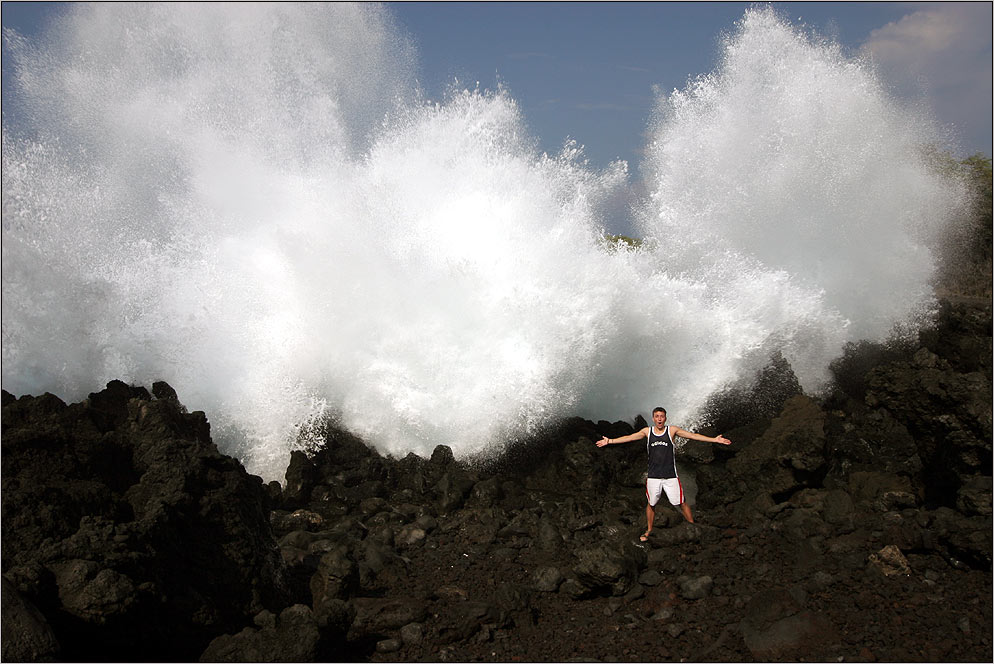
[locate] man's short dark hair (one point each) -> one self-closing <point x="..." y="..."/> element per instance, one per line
<point x="658" y="409"/>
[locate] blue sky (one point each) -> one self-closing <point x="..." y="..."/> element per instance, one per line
<point x="587" y="70"/>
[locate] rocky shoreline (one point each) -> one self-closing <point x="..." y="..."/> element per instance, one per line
<point x="854" y="527"/>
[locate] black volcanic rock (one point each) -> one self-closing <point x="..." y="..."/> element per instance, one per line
<point x="27" y="636"/>
<point x="947" y="412"/>
<point x="851" y="526"/>
<point x="127" y="529"/>
<point x="293" y="636"/>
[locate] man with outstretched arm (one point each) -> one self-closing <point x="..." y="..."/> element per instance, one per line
<point x="662" y="463"/>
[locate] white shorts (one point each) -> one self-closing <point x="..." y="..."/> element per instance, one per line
<point x="655" y="486"/>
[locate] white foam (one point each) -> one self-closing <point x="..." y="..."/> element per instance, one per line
<point x="259" y="208"/>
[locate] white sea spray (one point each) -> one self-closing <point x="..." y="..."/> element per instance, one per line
<point x="255" y="204"/>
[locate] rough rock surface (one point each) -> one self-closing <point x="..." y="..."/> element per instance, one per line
<point x="852" y="526"/>
<point x="127" y="529"/>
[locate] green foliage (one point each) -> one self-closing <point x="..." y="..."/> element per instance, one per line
<point x="622" y="242"/>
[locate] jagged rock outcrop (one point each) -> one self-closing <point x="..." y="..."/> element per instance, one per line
<point x="128" y="529"/>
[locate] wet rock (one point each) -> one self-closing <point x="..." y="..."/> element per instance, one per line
<point x="301" y="476"/>
<point x="409" y="474"/>
<point x="345" y="453"/>
<point x="442" y="456"/>
<point x="162" y="390"/>
<point x="579" y="455"/>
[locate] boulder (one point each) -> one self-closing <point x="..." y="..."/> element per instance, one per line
<point x="487" y="493"/>
<point x="609" y="567"/>
<point x="547" y="579"/>
<point x="301" y="476"/>
<point x="381" y="615"/>
<point x="695" y="587"/>
<point x="337" y="576"/>
<point x="974" y="496"/>
<point x="789" y="454"/>
<point x="452" y="489"/>
<point x="26" y="636"/>
<point x="412" y="634"/>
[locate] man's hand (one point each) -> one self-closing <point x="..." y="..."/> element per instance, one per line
<point x="722" y="440"/>
<point x="603" y="441"/>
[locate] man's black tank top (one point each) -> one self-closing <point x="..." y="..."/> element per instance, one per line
<point x="662" y="461"/>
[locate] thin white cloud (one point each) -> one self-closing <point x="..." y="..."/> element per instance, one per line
<point x="942" y="53"/>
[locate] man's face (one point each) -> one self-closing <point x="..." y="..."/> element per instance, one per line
<point x="659" y="419"/>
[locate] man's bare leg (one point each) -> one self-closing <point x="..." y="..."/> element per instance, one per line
<point x="685" y="508"/>
<point x="650" y="518"/>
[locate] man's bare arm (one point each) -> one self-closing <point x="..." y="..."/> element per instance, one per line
<point x="624" y="439"/>
<point x="721" y="440"/>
